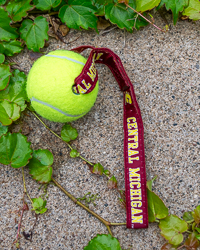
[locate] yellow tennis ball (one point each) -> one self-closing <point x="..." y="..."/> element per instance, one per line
<point x="49" y="87"/>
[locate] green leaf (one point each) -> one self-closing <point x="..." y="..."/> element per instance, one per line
<point x="187" y="216"/>
<point x="168" y="246"/>
<point x="106" y="172"/>
<point x="16" y="90"/>
<point x="9" y="111"/>
<point x="17" y="9"/>
<point x="39" y="205"/>
<point x="100" y="5"/>
<point x="6" y="31"/>
<point x="193" y="10"/>
<point x="172" y="228"/>
<point x="119" y="14"/>
<point x="124" y="17"/>
<point x="98" y="169"/>
<point x="2" y="58"/>
<point x="143" y="5"/>
<point x="192" y="242"/>
<point x="40" y="165"/>
<point x="103" y="242"/>
<point x="150" y="182"/>
<point x="68" y="133"/>
<point x="34" y="33"/>
<point x="78" y="13"/>
<point x="10" y="48"/>
<point x="59" y="6"/>
<point x="74" y="153"/>
<point x="198" y="236"/>
<point x="156" y="207"/>
<point x="198" y="229"/>
<point x="4" y="75"/>
<point x="3" y="129"/>
<point x="46" y="4"/>
<point x="2" y="2"/>
<point x="196" y="215"/>
<point x="15" y="150"/>
<point x="140" y="22"/>
<point x="175" y="5"/>
<point x="112" y="182"/>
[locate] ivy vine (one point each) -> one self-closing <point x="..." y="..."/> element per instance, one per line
<point x="30" y="23"/>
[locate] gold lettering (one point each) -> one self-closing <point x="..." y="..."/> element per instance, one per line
<point x="136" y="203"/>
<point x="135" y="183"/>
<point x="132" y="145"/>
<point x="136" y="198"/>
<point x="135" y="211"/>
<point x="132" y="125"/>
<point x="137" y="219"/>
<point x="132" y="152"/>
<point x="131" y="118"/>
<point x="81" y="90"/>
<point x="86" y="85"/>
<point x="99" y="55"/>
<point x="132" y="132"/>
<point x="130" y="160"/>
<point x="135" y="192"/>
<point x="132" y="172"/>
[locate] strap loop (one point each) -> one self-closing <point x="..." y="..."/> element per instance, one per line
<point x="134" y="155"/>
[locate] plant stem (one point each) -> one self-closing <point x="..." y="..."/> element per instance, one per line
<point x="144" y="17"/>
<point x="25" y="190"/>
<point x="117" y="224"/>
<point x="105" y="222"/>
<point x="59" y="136"/>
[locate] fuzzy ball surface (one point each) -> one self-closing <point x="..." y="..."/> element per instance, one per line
<point x="49" y="87"/>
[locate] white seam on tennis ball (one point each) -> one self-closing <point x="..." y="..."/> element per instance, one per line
<point x="59" y="110"/>
<point x="68" y="58"/>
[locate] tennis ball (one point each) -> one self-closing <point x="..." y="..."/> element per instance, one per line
<point x="49" y="87"/>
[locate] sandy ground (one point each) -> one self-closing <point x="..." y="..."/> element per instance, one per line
<point x="164" y="69"/>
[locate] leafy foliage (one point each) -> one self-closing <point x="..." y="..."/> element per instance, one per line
<point x="10" y="112"/>
<point x="193" y="10"/>
<point x="68" y="133"/>
<point x="3" y="130"/>
<point x="17" y="9"/>
<point x="34" y="33"/>
<point x="74" y="153"/>
<point x="6" y="31"/>
<point x="10" y="48"/>
<point x="15" y="150"/>
<point x="39" y="205"/>
<point x="2" y="58"/>
<point x="144" y="5"/>
<point x="187" y="216"/>
<point x="78" y="13"/>
<point x="40" y="165"/>
<point x="172" y="228"/>
<point x="168" y="246"/>
<point x="192" y="242"/>
<point x="156" y="207"/>
<point x="196" y="215"/>
<point x="16" y="90"/>
<point x="98" y="169"/>
<point x="103" y="242"/>
<point x="124" y="17"/>
<point x="176" y="6"/>
<point x="100" y="5"/>
<point x="112" y="182"/>
<point x="46" y="4"/>
<point x="4" y="75"/>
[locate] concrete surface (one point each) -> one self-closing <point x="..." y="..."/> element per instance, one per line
<point x="164" y="69"/>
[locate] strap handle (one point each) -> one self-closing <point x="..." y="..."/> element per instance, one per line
<point x="134" y="155"/>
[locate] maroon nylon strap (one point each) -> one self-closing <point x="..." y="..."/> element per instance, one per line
<point x="134" y="156"/>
